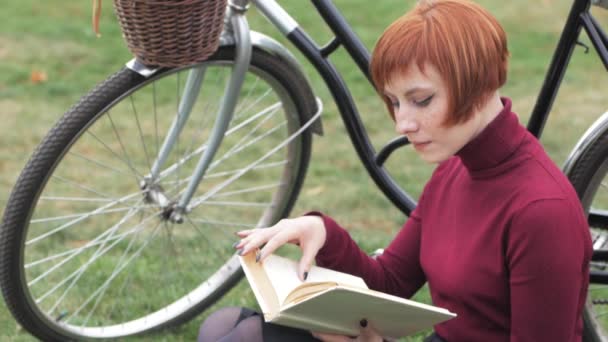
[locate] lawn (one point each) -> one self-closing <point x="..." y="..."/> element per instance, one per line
<point x="49" y="57"/>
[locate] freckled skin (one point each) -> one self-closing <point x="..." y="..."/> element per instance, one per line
<point x="420" y="102"/>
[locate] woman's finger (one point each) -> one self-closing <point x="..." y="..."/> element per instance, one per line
<point x="308" y="255"/>
<point x="279" y="239"/>
<point x="260" y="237"/>
<point x="331" y="337"/>
<point x="245" y="233"/>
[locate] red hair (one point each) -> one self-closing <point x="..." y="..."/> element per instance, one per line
<point x="463" y="41"/>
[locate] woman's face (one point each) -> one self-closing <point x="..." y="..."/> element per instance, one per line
<point x="420" y="105"/>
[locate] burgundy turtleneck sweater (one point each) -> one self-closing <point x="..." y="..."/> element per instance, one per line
<point x="498" y="234"/>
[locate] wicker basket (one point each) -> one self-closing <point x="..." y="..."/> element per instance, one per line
<point x="171" y="33"/>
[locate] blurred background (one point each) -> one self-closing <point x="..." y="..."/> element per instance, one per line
<point x="50" y="57"/>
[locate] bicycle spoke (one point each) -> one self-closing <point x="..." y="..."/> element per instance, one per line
<point x="229" y="181"/>
<point x="238" y="147"/>
<point x="75" y="276"/>
<point x="113" y="275"/>
<point x="198" y="230"/>
<point x="229" y="235"/>
<point x="256" y="101"/>
<point x="238" y="111"/>
<point x="80" y="250"/>
<point x="221" y="223"/>
<point x="169" y="170"/>
<point x="73" y="222"/>
<point x="89" y="214"/>
<point x="236" y="204"/>
<point x="98" y="163"/>
<point x="122" y="146"/>
<point x="197" y="136"/>
<point x="250" y="143"/>
<point x="141" y="134"/>
<point x="77" y="249"/>
<point x="80" y="186"/>
<point x="110" y="279"/>
<point x="136" y="174"/>
<point x="270" y="110"/>
<point x="257" y="167"/>
<point x="74" y="199"/>
<point x="248" y="190"/>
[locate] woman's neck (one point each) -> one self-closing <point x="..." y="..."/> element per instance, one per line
<point x="488" y="112"/>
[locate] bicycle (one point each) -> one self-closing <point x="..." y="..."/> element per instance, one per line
<point x="260" y="186"/>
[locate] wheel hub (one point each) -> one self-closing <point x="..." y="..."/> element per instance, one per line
<point x="155" y="194"/>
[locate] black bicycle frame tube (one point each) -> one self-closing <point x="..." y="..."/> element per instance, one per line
<point x="557" y="69"/>
<point x="345" y="35"/>
<point x="597" y="36"/>
<point x="344" y="101"/>
<point x="352" y="121"/>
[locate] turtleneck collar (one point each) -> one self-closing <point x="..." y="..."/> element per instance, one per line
<point x="496" y="142"/>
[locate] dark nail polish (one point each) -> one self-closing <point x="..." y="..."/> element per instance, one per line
<point x="257" y="257"/>
<point x="235" y="244"/>
<point x="363" y="323"/>
<point x="240" y="252"/>
<point x="305" y="275"/>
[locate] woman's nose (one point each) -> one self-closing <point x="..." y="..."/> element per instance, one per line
<point x="405" y="123"/>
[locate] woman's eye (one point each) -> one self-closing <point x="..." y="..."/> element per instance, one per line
<point x="425" y="102"/>
<point x="395" y="104"/>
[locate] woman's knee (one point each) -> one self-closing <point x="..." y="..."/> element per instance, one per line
<point x="219" y="324"/>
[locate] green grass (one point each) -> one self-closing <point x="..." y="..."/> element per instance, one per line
<point x="54" y="37"/>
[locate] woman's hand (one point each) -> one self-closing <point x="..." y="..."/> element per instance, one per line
<point x="308" y="232"/>
<point x="367" y="334"/>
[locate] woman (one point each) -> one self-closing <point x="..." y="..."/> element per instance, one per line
<point x="498" y="234"/>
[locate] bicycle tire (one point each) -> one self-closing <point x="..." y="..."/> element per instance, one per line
<point x="586" y="176"/>
<point x="80" y="127"/>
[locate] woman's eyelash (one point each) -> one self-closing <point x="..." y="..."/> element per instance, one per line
<point x="424" y="102"/>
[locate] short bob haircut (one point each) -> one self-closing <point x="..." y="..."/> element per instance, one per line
<point x="463" y="41"/>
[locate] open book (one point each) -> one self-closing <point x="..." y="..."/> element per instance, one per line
<point x="332" y="302"/>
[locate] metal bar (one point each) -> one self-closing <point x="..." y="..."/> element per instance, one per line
<point x="272" y="11"/>
<point x="189" y="97"/>
<point x="344" y="34"/>
<point x="600" y="255"/>
<point x="598" y="219"/>
<point x="243" y="57"/>
<point x="598" y="277"/>
<point x="557" y="69"/>
<point x="391" y="147"/>
<point x="591" y="28"/>
<point x="330" y="47"/>
<point x="352" y="122"/>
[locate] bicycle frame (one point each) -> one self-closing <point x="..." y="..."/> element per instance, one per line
<point x="578" y="18"/>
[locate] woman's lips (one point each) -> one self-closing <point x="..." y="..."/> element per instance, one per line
<point x="419" y="146"/>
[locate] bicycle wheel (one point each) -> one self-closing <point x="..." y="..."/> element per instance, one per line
<point x="88" y="252"/>
<point x="589" y="177"/>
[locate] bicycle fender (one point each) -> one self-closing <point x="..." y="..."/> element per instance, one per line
<point x="596" y="130"/>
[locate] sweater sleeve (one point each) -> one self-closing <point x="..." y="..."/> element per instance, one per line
<point x="397" y="271"/>
<point x="547" y="255"/>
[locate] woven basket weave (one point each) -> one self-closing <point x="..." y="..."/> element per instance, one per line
<point x="171" y="33"/>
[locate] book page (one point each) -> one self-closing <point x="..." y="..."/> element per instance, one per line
<point x="261" y="286"/>
<point x="283" y="275"/>
<point x="339" y="310"/>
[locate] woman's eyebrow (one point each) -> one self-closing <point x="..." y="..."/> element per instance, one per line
<point x="416" y="90"/>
